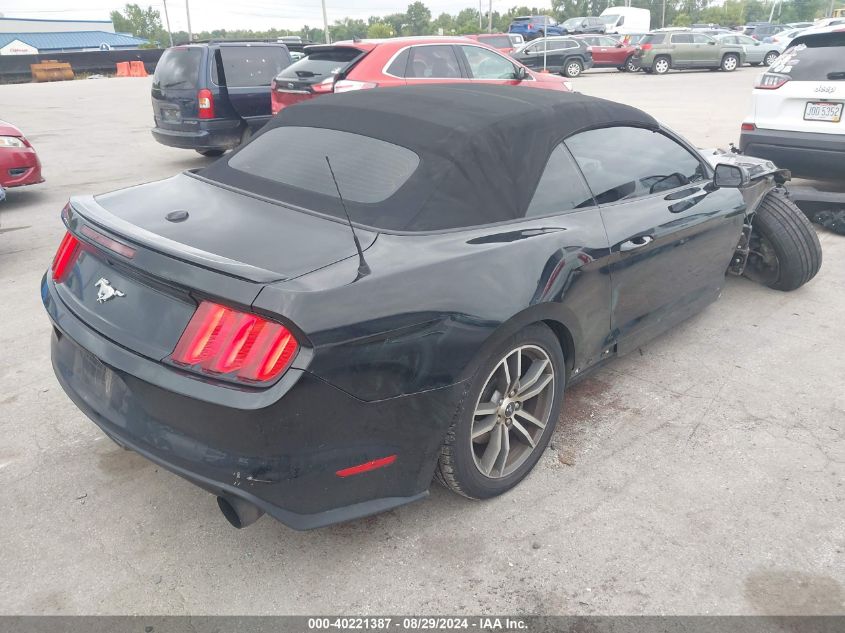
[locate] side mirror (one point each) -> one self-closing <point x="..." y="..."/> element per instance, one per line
<point x="520" y="74"/>
<point x="730" y="176"/>
<point x="712" y="43"/>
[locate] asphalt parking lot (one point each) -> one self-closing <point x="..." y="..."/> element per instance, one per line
<point x="702" y="474"/>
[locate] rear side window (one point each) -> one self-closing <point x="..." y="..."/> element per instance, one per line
<point x="561" y="187"/>
<point x="433" y="62"/>
<point x="245" y="66"/>
<point x="682" y="38"/>
<point x="319" y="65"/>
<point x="399" y="64"/>
<point x="701" y="39"/>
<point x="624" y="163"/>
<point x="178" y="68"/>
<point x="819" y="58"/>
<point x="653" y="38"/>
<point x="368" y="170"/>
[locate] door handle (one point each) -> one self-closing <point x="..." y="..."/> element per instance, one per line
<point x="635" y="243"/>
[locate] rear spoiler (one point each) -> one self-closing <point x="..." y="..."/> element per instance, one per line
<point x="92" y="212"/>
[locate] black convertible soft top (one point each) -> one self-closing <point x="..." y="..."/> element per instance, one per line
<point x="479" y="152"/>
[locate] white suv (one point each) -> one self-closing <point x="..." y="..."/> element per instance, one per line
<point x="797" y="119"/>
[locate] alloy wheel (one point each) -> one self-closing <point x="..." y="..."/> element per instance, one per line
<point x="661" y="66"/>
<point x="729" y="63"/>
<point x="771" y="58"/>
<point x="512" y="411"/>
<point x="573" y="69"/>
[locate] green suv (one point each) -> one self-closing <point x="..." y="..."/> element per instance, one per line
<point x="658" y="52"/>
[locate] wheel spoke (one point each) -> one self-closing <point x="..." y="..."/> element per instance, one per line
<point x="536" y="388"/>
<point x="491" y="453"/>
<point x="522" y="413"/>
<point x="483" y="427"/>
<point x="533" y="374"/>
<point x="486" y="408"/>
<point x="502" y="459"/>
<point x="523" y="433"/>
<point x="507" y="374"/>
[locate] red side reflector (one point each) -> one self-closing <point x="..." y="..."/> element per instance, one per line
<point x="366" y="466"/>
<point x="205" y="103"/>
<point x="233" y="344"/>
<point x="748" y="127"/>
<point x="107" y="242"/>
<point x="65" y="256"/>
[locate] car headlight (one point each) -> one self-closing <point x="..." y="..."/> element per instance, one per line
<point x="11" y="141"/>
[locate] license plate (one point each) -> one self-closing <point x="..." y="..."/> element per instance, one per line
<point x="823" y="111"/>
<point x="170" y="116"/>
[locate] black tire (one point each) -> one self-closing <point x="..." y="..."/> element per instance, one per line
<point x="785" y="250"/>
<point x="572" y="67"/>
<point x="456" y="467"/>
<point x="770" y="58"/>
<point x="661" y="65"/>
<point x="730" y="62"/>
<point x="211" y="153"/>
<point x="631" y="64"/>
<point x="754" y="63"/>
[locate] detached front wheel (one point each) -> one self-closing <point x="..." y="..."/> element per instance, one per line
<point x="508" y="416"/>
<point x="785" y="252"/>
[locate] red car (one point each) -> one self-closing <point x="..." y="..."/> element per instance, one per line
<point x="611" y="53"/>
<point x="345" y="66"/>
<point x="500" y="41"/>
<point x="19" y="164"/>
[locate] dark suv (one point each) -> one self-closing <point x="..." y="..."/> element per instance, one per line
<point x="212" y="97"/>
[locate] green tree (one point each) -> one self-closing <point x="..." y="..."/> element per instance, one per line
<point x="379" y="30"/>
<point x="418" y="18"/>
<point x="140" y="22"/>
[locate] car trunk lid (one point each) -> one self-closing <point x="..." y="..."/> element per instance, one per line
<point x="138" y="276"/>
<point x="174" y="89"/>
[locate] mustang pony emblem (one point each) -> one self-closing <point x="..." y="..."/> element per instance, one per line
<point x="106" y="291"/>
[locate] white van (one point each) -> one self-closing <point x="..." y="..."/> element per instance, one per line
<point x="624" y="20"/>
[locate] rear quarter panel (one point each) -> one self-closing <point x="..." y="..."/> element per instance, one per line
<point x="432" y="302"/>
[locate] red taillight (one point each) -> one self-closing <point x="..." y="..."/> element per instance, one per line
<point x="646" y="47"/>
<point x="748" y="127"/>
<point x="771" y="81"/>
<point x="65" y="256"/>
<point x="236" y="345"/>
<point x="205" y="103"/>
<point x="325" y="86"/>
<point x="366" y="466"/>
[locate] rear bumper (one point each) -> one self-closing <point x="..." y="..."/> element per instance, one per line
<point x="282" y="457"/>
<point x="220" y="134"/>
<point x="805" y="154"/>
<point x="19" y="166"/>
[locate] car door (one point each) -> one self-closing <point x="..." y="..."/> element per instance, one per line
<point x="682" y="49"/>
<point x="433" y="62"/>
<point x="487" y="65"/>
<point x="567" y="230"/>
<point x="706" y="51"/>
<point x="671" y="232"/>
<point x="244" y="74"/>
<point x="754" y="50"/>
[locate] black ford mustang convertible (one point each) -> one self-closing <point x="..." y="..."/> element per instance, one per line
<point x="388" y="286"/>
